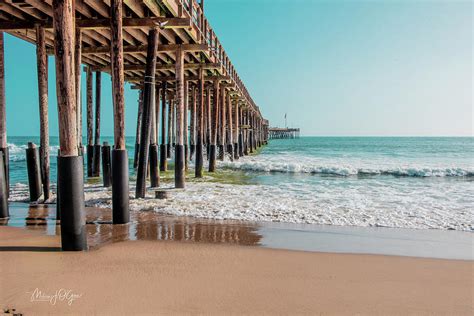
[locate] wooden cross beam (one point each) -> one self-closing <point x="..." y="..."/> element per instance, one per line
<point x="93" y="24"/>
<point x="143" y="48"/>
<point x="139" y="67"/>
<point x="173" y="78"/>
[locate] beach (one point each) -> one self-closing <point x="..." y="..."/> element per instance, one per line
<point x="144" y="277"/>
<point x="304" y="227"/>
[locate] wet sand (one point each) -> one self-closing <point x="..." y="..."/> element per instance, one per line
<point x="139" y="277"/>
<point x="151" y="225"/>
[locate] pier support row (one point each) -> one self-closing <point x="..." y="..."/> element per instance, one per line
<point x="216" y="121"/>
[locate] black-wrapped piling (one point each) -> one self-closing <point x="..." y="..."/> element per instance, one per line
<point x="120" y="191"/>
<point x="154" y="168"/>
<point x="6" y="168"/>
<point x="90" y="160"/>
<point x="212" y="158"/>
<point x="4" y="213"/>
<point x="106" y="165"/>
<point x="192" y="149"/>
<point x="135" y="156"/>
<point x="163" y="156"/>
<point x="34" y="172"/>
<point x="71" y="191"/>
<point x="179" y="174"/>
<point x="221" y="152"/>
<point x="96" y="163"/>
<point x="58" y="208"/>
<point x="236" y="151"/>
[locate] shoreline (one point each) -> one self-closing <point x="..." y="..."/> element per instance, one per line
<point x="178" y="277"/>
<point x="154" y="226"/>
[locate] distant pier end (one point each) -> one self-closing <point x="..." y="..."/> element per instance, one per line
<point x="280" y="133"/>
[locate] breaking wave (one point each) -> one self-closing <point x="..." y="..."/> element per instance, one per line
<point x="346" y="170"/>
<point x="17" y="152"/>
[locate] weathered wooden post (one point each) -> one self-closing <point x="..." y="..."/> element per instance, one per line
<point x="42" y="65"/>
<point x="186" y="125"/>
<point x="77" y="62"/>
<point x="173" y="123"/>
<point x="157" y="112"/>
<point x="90" y="124"/>
<point x="179" y="154"/>
<point x="250" y="131"/>
<point x="154" y="163"/>
<point x="199" y="125"/>
<point x="208" y="121"/>
<point x="237" y="131"/>
<point x="223" y="125"/>
<point x="3" y="122"/>
<point x="170" y="125"/>
<point x="4" y="170"/>
<point x="148" y="98"/>
<point x="139" y="124"/>
<point x="215" y="118"/>
<point x="242" y="133"/>
<point x="163" y="147"/>
<point x="96" y="162"/>
<point x="230" y="142"/>
<point x="246" y="131"/>
<point x="192" y="132"/>
<point x="120" y="190"/>
<point x="71" y="186"/>
<point x="154" y="160"/>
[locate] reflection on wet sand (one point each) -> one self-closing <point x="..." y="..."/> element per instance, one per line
<point x="144" y="225"/>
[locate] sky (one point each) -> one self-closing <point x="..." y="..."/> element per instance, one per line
<point x="337" y="68"/>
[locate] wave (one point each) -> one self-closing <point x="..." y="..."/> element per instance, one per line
<point x="348" y="170"/>
<point x="325" y="204"/>
<point x="18" y="152"/>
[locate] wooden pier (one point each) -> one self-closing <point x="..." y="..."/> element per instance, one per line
<point x="169" y="52"/>
<point x="283" y="133"/>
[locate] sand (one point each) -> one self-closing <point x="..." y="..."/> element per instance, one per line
<point x="159" y="277"/>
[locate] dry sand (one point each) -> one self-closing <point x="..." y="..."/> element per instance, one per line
<point x="152" y="277"/>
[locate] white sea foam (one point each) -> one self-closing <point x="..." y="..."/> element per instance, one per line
<point x="369" y="204"/>
<point x="436" y="194"/>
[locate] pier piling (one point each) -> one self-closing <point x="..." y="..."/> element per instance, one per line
<point x="90" y="124"/>
<point x="163" y="147"/>
<point x="120" y="189"/>
<point x="179" y="154"/>
<point x="34" y="172"/>
<point x="148" y="98"/>
<point x="96" y="162"/>
<point x="222" y="122"/>
<point x="192" y="130"/>
<point x="42" y="65"/>
<point x="199" y="159"/>
<point x="4" y="212"/>
<point x="106" y="165"/>
<point x="138" y="130"/>
<point x="198" y="84"/>
<point x="71" y="186"/>
<point x="3" y="118"/>
<point x="214" y="127"/>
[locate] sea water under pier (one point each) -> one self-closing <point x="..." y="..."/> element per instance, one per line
<point x="191" y="97"/>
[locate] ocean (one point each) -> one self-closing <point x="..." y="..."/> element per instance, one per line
<point x="406" y="182"/>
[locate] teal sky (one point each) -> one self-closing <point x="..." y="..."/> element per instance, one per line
<point x="336" y="67"/>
